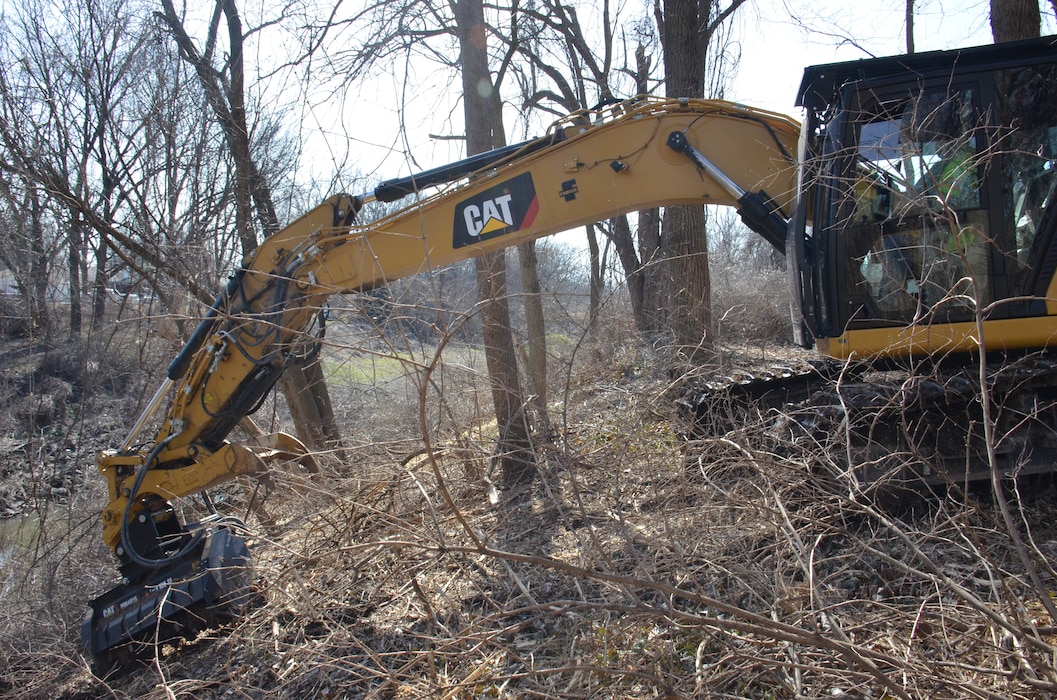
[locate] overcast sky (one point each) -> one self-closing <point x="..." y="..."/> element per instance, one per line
<point x="777" y="38"/>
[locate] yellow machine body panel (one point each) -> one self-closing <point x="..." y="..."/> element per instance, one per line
<point x="939" y="340"/>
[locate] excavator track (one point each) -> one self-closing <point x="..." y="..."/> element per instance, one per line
<point x="897" y="430"/>
<point x="723" y="403"/>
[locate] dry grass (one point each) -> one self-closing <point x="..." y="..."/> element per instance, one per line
<point x="637" y="566"/>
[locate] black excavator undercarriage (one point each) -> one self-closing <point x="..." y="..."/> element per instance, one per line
<point x="896" y="429"/>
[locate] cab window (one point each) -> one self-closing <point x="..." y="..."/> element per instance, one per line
<point x="916" y="232"/>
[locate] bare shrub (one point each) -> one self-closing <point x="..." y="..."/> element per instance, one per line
<point x="750" y="291"/>
<point x="14" y="318"/>
<point x="752" y="563"/>
<point x="752" y="305"/>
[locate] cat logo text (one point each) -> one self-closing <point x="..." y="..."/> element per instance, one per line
<point x="501" y="209"/>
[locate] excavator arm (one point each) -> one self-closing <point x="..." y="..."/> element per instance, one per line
<point x="590" y="166"/>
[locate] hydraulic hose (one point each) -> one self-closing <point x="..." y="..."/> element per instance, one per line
<point x="126" y="541"/>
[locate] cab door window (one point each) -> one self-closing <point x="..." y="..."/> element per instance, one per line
<point x="915" y="227"/>
<point x="1026" y="106"/>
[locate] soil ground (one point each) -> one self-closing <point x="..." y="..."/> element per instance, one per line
<point x="638" y="564"/>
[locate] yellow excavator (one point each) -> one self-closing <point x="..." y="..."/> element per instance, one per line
<point x="914" y="205"/>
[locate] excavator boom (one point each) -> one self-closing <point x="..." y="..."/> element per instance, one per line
<point x="916" y="206"/>
<point x="590" y="166"/>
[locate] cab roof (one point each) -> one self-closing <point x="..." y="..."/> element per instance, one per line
<point x="822" y="82"/>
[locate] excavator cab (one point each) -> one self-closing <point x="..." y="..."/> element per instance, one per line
<point x="927" y="199"/>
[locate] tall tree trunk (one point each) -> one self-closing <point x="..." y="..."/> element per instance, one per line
<point x="305" y="414"/>
<point x="650" y="317"/>
<point x="654" y="289"/>
<point x="532" y="298"/>
<point x="99" y="287"/>
<point x="689" y="307"/>
<point x="75" y="238"/>
<point x="102" y="281"/>
<point x="1015" y="19"/>
<point x="910" y="25"/>
<point x="685" y="32"/>
<point x="306" y="393"/>
<point x="535" y="330"/>
<point x="634" y="270"/>
<point x="595" y="285"/>
<point x="37" y="302"/>
<point x="514" y="448"/>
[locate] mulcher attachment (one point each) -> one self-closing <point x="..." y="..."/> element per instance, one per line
<point x="179" y="599"/>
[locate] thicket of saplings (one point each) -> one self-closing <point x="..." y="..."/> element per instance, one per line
<point x="642" y="562"/>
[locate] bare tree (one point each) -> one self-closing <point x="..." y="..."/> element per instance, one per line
<point x="25" y="248"/>
<point x="109" y="130"/>
<point x="567" y="69"/>
<point x="304" y="386"/>
<point x="64" y="93"/>
<point x="484" y="132"/>
<point x="687" y="27"/>
<point x="455" y="36"/>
